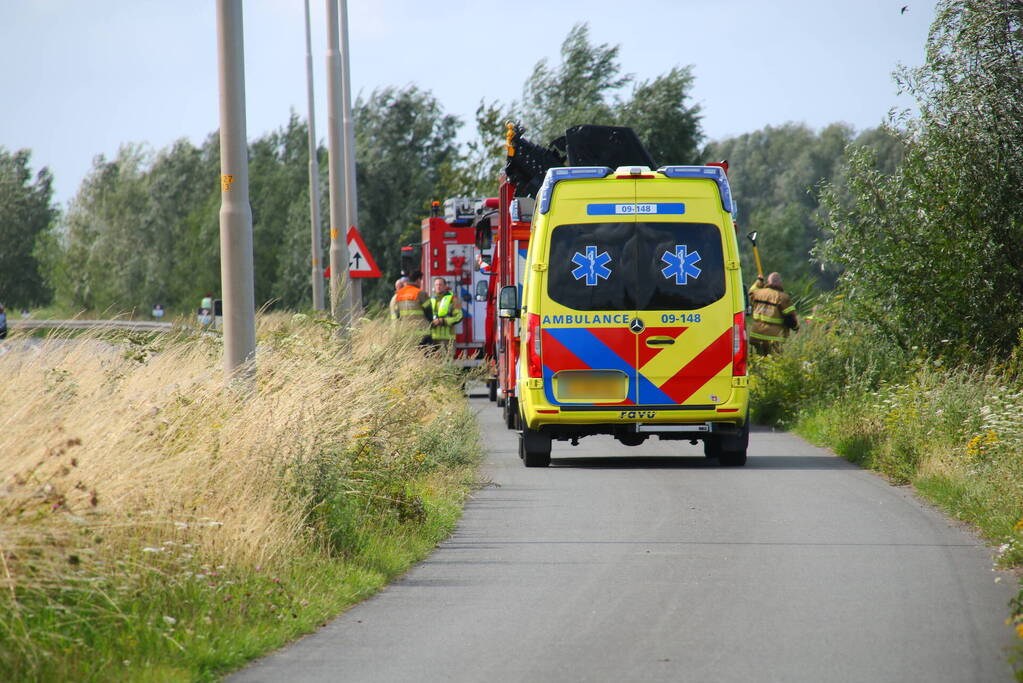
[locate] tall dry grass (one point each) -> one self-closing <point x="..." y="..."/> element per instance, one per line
<point x="132" y="449"/>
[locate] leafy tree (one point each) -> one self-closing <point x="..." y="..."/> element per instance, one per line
<point x="775" y="175"/>
<point x="404" y="140"/>
<point x="101" y="242"/>
<point x="588" y="87"/>
<point x="26" y="213"/>
<point x="196" y="224"/>
<point x="773" y="172"/>
<point x="579" y="90"/>
<point x="475" y="173"/>
<point x="933" y="253"/>
<point x="125" y="242"/>
<point x="658" y="113"/>
<point x="278" y="194"/>
<point x="180" y="179"/>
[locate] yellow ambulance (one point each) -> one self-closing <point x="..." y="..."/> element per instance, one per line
<point x="632" y="312"/>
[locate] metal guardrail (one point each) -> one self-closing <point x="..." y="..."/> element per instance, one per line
<point x="131" y="325"/>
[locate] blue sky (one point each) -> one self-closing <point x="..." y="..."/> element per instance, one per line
<point x="79" y="78"/>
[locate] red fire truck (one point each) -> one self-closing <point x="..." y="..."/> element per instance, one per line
<point x="504" y="243"/>
<point x="448" y="250"/>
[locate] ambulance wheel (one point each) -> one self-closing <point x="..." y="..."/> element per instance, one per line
<point x="733" y="448"/>
<point x="534" y="448"/>
<point x="511" y="413"/>
<point x="492" y="389"/>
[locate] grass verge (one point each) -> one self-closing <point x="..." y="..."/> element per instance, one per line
<point x="157" y="524"/>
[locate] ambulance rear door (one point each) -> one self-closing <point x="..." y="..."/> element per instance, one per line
<point x="684" y="344"/>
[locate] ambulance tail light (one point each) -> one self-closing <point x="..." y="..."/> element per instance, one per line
<point x="534" y="366"/>
<point x="740" y="345"/>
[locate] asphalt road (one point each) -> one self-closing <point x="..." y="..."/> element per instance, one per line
<point x="653" y="564"/>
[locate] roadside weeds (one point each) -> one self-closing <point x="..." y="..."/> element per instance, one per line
<point x="155" y="525"/>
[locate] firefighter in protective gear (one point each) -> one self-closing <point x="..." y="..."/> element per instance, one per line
<point x="773" y="314"/>
<point x="412" y="305"/>
<point x="447" y="312"/>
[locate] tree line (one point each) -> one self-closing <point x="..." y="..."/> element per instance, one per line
<point x="143" y="226"/>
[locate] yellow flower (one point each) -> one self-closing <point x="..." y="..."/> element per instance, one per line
<point x="1019" y="629"/>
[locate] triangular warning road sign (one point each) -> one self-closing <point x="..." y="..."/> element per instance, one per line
<point x="360" y="261"/>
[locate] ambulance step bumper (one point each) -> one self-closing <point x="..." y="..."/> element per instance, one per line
<point x="705" y="427"/>
<point x="672" y="428"/>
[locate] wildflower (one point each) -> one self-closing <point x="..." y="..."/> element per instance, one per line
<point x="152" y="550"/>
<point x="170" y="620"/>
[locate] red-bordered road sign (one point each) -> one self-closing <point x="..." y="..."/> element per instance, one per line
<point x="360" y="261"/>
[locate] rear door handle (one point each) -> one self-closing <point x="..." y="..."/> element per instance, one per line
<point x="659" y="341"/>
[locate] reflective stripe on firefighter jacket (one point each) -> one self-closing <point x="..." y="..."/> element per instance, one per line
<point x="450" y="314"/>
<point x="771" y="307"/>
<point x="411" y="306"/>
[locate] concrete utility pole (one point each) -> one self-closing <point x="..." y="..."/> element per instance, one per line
<point x="351" y="196"/>
<point x="340" y="289"/>
<point x="235" y="213"/>
<point x="314" y="175"/>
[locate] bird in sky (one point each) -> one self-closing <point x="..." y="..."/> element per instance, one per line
<point x="904" y="8"/>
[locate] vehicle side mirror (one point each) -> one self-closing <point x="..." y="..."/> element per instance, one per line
<point x="484" y="235"/>
<point x="482" y="289"/>
<point x="508" y="302"/>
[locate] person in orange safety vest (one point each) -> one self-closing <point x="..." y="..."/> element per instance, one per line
<point x="773" y="314"/>
<point x="412" y="306"/>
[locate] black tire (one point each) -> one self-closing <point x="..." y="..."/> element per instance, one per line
<point x="712" y="447"/>
<point x="492" y="389"/>
<point x="534" y="448"/>
<point x="511" y="412"/>
<point x="733" y="448"/>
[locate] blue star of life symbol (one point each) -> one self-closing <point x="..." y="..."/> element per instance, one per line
<point x="681" y="264"/>
<point x="591" y="266"/>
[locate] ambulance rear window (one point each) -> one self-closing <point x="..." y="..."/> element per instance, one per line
<point x="681" y="266"/>
<point x="636" y="266"/>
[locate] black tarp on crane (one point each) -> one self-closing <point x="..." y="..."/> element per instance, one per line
<point x="585" y="145"/>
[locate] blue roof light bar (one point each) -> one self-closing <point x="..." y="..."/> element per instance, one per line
<point x="715" y="173"/>
<point x="556" y="175"/>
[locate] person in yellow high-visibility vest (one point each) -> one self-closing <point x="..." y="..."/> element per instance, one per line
<point x="447" y="312"/>
<point x="773" y="314"/>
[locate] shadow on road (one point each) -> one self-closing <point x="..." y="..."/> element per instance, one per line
<point x="636" y="462"/>
<point x="758" y="462"/>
